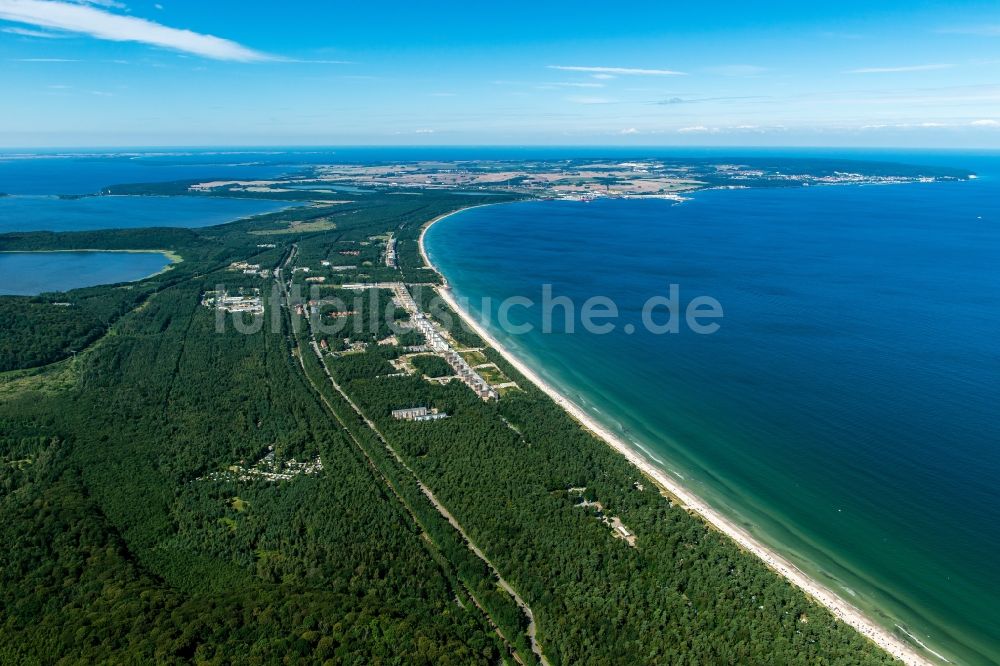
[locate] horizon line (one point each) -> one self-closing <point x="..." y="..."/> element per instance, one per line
<point x="245" y="147"/>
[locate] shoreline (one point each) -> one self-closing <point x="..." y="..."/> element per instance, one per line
<point x="840" y="608"/>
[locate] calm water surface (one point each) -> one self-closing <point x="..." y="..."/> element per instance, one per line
<point x="32" y="273"/>
<point x="848" y="410"/>
<point x="49" y="213"/>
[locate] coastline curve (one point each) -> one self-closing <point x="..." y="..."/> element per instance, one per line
<point x="840" y="608"/>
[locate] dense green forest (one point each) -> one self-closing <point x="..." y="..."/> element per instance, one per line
<point x="160" y="500"/>
<point x="432" y="366"/>
<point x="44" y="329"/>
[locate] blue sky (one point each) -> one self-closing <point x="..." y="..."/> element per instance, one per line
<point x="173" y="72"/>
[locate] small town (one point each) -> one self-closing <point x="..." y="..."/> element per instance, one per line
<point x="436" y="341"/>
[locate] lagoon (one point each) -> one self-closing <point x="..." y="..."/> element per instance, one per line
<point x="32" y="273"/>
<point x="50" y="213"/>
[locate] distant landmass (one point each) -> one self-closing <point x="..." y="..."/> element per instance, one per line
<point x="569" y="179"/>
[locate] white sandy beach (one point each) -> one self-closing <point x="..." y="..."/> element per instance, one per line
<point x="823" y="595"/>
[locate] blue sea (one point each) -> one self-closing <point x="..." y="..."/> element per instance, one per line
<point x="847" y="411"/>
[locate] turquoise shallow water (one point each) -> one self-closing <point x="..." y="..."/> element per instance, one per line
<point x="847" y="410"/>
<point x="31" y="273"/>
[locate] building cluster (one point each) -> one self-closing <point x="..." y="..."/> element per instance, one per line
<point x="314" y="307"/>
<point x="436" y="342"/>
<point x="249" y="269"/>
<point x="426" y="327"/>
<point x="268" y="468"/>
<point x="394" y="286"/>
<point x="619" y="531"/>
<point x="418" y="414"/>
<point x="222" y="300"/>
<point x="471" y="378"/>
<point x="390" y="252"/>
<point x="618" y="528"/>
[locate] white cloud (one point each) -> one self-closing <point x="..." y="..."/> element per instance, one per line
<point x="630" y="130"/>
<point x="424" y="131"/>
<point x="733" y="129"/>
<point x="915" y="125"/>
<point x="892" y="70"/>
<point x="986" y="122"/>
<point x="101" y="24"/>
<point x="673" y="101"/>
<point x="25" y="32"/>
<point x="618" y="70"/>
<point x="111" y="4"/>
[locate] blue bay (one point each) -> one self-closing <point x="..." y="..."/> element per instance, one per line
<point x="845" y="412"/>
